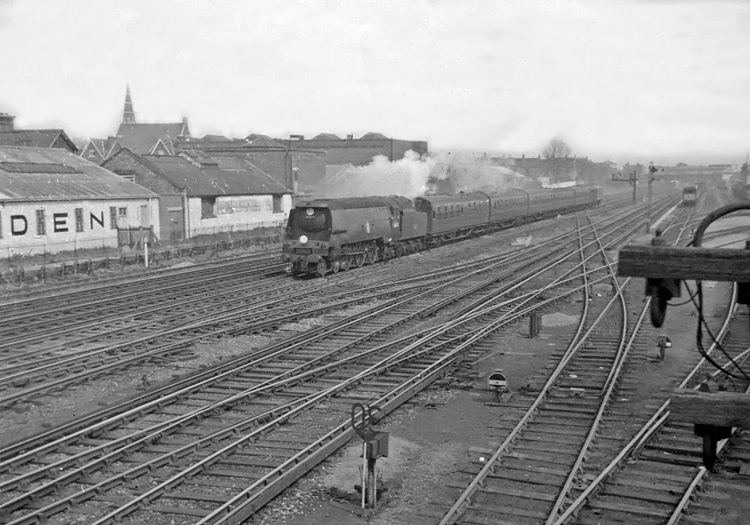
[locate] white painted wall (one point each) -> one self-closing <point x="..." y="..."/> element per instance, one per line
<point x="238" y="213"/>
<point x="18" y="225"/>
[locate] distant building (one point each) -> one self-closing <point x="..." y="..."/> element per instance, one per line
<point x="34" y="138"/>
<point x="99" y="150"/>
<point x="358" y="152"/>
<point x="298" y="168"/>
<point x="559" y="169"/>
<point x="53" y="201"/>
<point x="692" y="174"/>
<point x="201" y="195"/>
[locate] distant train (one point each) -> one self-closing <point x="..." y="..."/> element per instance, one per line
<point x="689" y="195"/>
<point x="330" y="235"/>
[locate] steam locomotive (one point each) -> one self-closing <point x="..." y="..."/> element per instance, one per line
<point x="331" y="235"/>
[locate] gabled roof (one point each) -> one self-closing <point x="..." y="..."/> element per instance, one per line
<point x="47" y="174"/>
<point x="105" y="148"/>
<point x="36" y="138"/>
<point x="326" y="136"/>
<point x="245" y="179"/>
<point x="142" y="138"/>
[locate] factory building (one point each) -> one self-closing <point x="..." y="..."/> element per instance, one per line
<point x="51" y="201"/>
<point x="202" y="195"/>
<point x="359" y="151"/>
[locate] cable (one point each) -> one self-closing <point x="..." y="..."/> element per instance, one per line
<point x="699" y="338"/>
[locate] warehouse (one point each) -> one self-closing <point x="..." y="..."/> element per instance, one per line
<point x="54" y="201"/>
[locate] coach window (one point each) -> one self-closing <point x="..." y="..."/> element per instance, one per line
<point x="41" y="229"/>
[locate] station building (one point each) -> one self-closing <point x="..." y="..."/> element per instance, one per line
<point x="51" y="201"/>
<point x="202" y="195"/>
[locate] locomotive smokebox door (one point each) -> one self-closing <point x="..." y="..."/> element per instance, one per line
<point x="498" y="381"/>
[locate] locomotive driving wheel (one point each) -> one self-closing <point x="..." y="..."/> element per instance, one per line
<point x="335" y="266"/>
<point x="321" y="268"/>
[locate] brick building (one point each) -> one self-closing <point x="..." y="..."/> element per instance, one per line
<point x="298" y="168"/>
<point x="358" y="152"/>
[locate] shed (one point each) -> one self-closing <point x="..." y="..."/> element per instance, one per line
<point x="53" y="201"/>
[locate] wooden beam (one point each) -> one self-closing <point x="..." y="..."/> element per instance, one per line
<point x="664" y="262"/>
<point x="722" y="409"/>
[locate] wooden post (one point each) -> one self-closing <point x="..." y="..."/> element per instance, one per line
<point x="721" y="409"/>
<point x="663" y="262"/>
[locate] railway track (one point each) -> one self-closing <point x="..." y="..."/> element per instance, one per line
<point x="536" y="472"/>
<point x="165" y="457"/>
<point x="421" y="374"/>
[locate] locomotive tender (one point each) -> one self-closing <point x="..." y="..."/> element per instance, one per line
<point x="329" y="235"/>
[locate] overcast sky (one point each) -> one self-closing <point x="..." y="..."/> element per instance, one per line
<point x="638" y="81"/>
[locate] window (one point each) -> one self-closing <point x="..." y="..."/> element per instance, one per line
<point x="40" y="226"/>
<point x="123" y="212"/>
<point x="1" y="226"/>
<point x="112" y="218"/>
<point x="79" y="220"/>
<point x="208" y="207"/>
<point x="277" y="204"/>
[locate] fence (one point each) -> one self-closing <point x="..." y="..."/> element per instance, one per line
<point x="19" y="270"/>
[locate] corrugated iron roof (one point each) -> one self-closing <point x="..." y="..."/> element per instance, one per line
<point x="55" y="174"/>
<point x="229" y="179"/>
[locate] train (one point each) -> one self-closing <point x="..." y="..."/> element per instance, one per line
<point x="332" y="235"/>
<point x="689" y="196"/>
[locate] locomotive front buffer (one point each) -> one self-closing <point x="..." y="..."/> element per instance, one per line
<point x="712" y="410"/>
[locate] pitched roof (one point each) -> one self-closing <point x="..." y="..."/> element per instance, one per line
<point x="373" y="136"/>
<point x="326" y="136"/>
<point x="229" y="179"/>
<point x="142" y="138"/>
<point x="56" y="174"/>
<point x="262" y="141"/>
<point x="35" y="138"/>
<point x="104" y="147"/>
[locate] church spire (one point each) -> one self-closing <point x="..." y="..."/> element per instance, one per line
<point x="128" y="115"/>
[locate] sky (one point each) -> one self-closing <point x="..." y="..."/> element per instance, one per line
<point x="627" y="81"/>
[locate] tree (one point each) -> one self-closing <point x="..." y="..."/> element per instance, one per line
<point x="555" y="153"/>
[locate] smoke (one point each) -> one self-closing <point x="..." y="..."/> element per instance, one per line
<point x="413" y="176"/>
